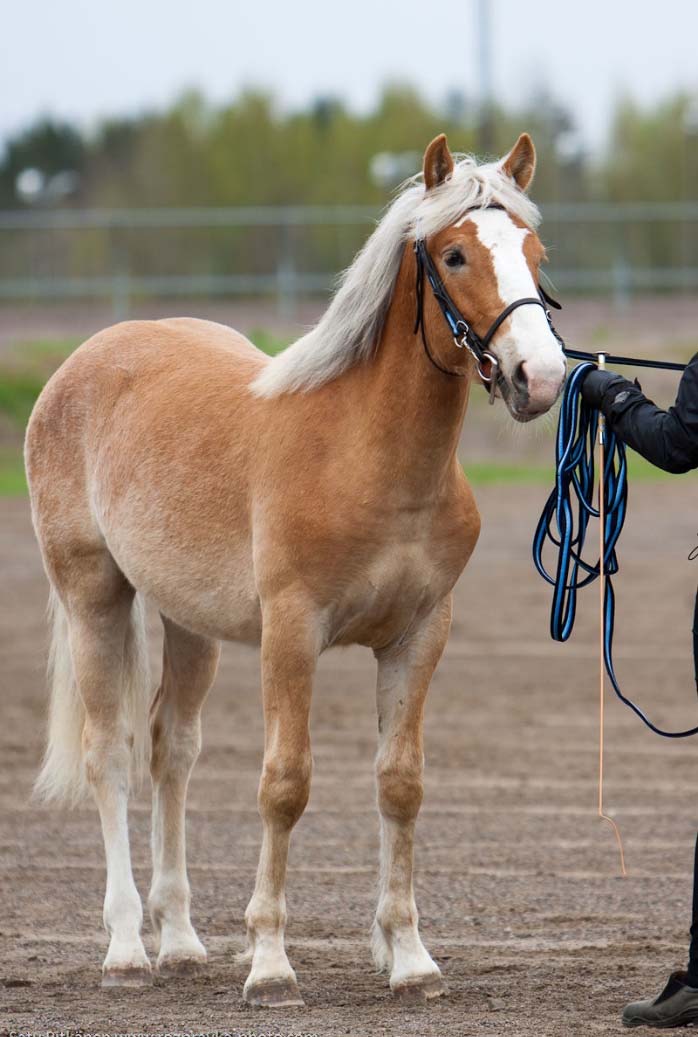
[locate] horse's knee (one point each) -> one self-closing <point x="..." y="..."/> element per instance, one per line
<point x="284" y="787"/>
<point x="400" y="788"/>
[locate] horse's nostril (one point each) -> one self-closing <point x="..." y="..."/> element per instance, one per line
<point x="520" y="378"/>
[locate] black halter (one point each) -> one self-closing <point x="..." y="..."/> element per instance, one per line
<point x="463" y="334"/>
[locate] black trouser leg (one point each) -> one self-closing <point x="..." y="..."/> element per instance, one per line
<point x="693" y="952"/>
<point x="695" y="641"/>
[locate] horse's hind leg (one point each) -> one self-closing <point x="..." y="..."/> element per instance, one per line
<point x="189" y="667"/>
<point x="107" y="646"/>
<point x="404" y="673"/>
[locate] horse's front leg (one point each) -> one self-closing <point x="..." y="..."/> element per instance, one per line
<point x="404" y="673"/>
<point x="289" y="656"/>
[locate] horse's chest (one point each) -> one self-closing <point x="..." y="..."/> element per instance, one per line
<point x="402" y="572"/>
<point x="384" y="599"/>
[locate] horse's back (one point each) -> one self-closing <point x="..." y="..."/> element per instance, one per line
<point x="208" y="334"/>
<point x="138" y="347"/>
<point x="120" y="355"/>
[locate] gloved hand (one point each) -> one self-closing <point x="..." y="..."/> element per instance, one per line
<point x="596" y="385"/>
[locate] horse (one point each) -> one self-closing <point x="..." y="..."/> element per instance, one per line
<point x="298" y="502"/>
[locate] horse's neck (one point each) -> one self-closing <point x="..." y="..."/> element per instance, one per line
<point x="413" y="411"/>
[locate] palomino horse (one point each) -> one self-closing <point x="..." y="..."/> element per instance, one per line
<point x="309" y="500"/>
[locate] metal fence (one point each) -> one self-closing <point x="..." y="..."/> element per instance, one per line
<point x="293" y="252"/>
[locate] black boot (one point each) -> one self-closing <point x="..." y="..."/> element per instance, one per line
<point x="677" y="1005"/>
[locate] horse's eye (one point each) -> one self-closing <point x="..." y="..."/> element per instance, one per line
<point x="454" y="258"/>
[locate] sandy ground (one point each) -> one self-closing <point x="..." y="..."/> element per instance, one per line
<point x="517" y="881"/>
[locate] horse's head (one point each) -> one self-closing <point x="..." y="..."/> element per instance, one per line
<point x="487" y="260"/>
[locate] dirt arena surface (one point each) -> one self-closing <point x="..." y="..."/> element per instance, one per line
<point x="517" y="881"/>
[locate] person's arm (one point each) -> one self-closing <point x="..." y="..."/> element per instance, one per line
<point x="667" y="438"/>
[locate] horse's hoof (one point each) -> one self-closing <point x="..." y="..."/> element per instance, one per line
<point x="128" y="976"/>
<point x="418" y="991"/>
<point x="274" y="993"/>
<point x="171" y="967"/>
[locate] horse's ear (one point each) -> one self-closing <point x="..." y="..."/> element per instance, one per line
<point x="438" y="162"/>
<point x="520" y="163"/>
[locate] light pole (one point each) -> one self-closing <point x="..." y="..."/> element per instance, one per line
<point x="486" y="143"/>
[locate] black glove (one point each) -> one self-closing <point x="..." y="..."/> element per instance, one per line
<point x="596" y="385"/>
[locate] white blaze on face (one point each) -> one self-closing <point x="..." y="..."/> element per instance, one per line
<point x="525" y="336"/>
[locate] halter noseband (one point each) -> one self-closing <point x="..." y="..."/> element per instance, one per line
<point x="463" y="334"/>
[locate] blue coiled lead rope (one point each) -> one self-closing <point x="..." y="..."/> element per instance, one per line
<point x="566" y="516"/>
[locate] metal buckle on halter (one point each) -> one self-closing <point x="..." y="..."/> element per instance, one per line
<point x="460" y="335"/>
<point x="490" y="381"/>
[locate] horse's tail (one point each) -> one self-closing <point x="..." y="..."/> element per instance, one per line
<point x="62" y="777"/>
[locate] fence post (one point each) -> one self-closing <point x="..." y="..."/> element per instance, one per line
<point x="286" y="276"/>
<point x="120" y="287"/>
<point x="622" y="285"/>
<point x="120" y="296"/>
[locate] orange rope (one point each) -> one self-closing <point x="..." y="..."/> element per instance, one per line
<point x="602" y="594"/>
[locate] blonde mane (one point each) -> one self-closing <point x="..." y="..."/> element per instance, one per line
<point x="350" y="329"/>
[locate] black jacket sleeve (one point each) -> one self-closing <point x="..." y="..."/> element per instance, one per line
<point x="667" y="438"/>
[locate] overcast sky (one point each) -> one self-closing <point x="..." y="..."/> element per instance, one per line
<point x="85" y="58"/>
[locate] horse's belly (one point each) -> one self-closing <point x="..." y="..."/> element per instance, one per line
<point x="206" y="588"/>
<point x="229" y="613"/>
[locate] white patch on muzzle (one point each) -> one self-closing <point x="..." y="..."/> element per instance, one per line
<point x="525" y="336"/>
